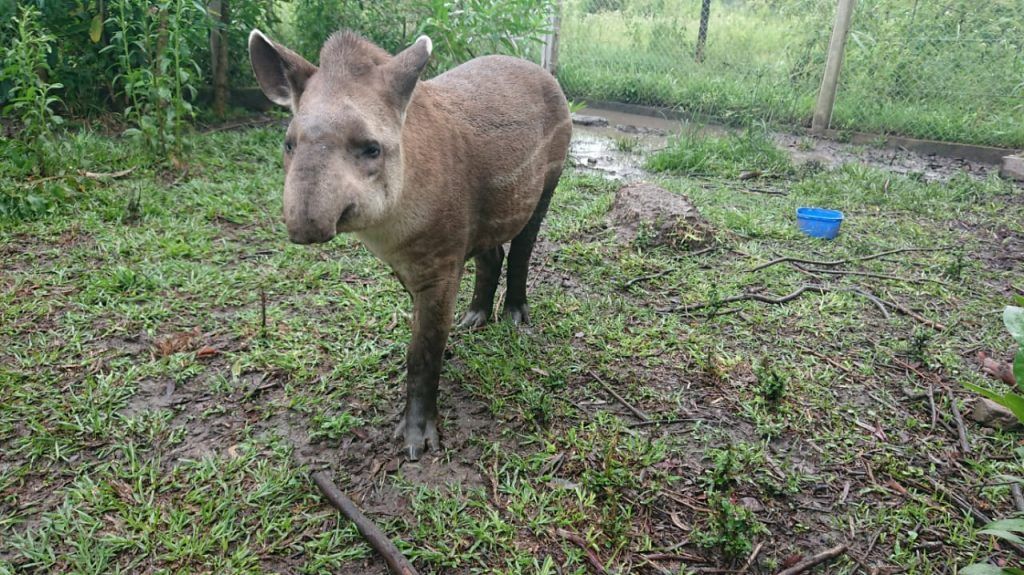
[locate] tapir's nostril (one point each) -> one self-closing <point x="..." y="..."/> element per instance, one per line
<point x="347" y="213"/>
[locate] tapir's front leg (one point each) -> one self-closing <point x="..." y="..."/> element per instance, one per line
<point x="433" y="307"/>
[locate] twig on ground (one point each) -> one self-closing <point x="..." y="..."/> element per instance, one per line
<point x="1018" y="497"/>
<point x="931" y="404"/>
<point x="873" y="275"/>
<point x="911" y="313"/>
<point x="815" y="559"/>
<point x="846" y="261"/>
<point x="823" y="357"/>
<point x="639" y="414"/>
<point x="814" y="288"/>
<point x="374" y="536"/>
<point x="751" y="559"/>
<point x="764" y="191"/>
<point x="639" y="279"/>
<point x="111" y="175"/>
<point x="579" y="542"/>
<point x="651" y="422"/>
<point x="875" y="300"/>
<point x="961" y="429"/>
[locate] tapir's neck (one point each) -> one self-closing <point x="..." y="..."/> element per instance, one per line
<point x="422" y="170"/>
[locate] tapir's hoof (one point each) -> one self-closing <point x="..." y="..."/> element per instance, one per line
<point x="418" y="438"/>
<point x="474" y="319"/>
<point x="517" y="314"/>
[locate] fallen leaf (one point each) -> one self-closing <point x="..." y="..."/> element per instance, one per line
<point x="207" y="351"/>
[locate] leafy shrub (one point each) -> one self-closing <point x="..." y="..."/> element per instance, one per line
<point x="157" y="74"/>
<point x="1013" y="318"/>
<point x="459" y="29"/>
<point x="31" y="97"/>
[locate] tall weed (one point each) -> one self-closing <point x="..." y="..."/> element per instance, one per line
<point x="31" y="97"/>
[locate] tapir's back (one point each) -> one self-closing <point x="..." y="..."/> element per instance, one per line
<point x="509" y="133"/>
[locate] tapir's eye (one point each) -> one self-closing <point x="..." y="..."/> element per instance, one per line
<point x="289" y="145"/>
<point x="371" y="150"/>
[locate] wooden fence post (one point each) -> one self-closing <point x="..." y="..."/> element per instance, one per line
<point x="549" y="55"/>
<point x="833" y="64"/>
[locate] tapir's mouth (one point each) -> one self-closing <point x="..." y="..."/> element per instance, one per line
<point x="345" y="220"/>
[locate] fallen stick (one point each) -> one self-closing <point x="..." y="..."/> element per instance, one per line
<point x="751" y="559"/>
<point x="639" y="414"/>
<point x="966" y="508"/>
<point x="911" y="313"/>
<point x="961" y="429"/>
<point x="846" y="261"/>
<point x="374" y="536"/>
<point x="111" y="175"/>
<point x="814" y="288"/>
<point x="874" y="275"/>
<point x="1018" y="497"/>
<point x="579" y="542"/>
<point x="815" y="559"/>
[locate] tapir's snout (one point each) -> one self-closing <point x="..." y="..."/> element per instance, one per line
<point x="310" y="234"/>
<point x="311" y="230"/>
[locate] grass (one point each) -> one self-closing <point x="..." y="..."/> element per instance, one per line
<point x="171" y="371"/>
<point x="941" y="73"/>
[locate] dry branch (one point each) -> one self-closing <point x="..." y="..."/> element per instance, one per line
<point x="639" y="414"/>
<point x="814" y="288"/>
<point x="1018" y="497"/>
<point x="961" y="429"/>
<point x="846" y="261"/>
<point x="376" y="538"/>
<point x="874" y="275"/>
<point x="815" y="559"/>
<point x="579" y="542"/>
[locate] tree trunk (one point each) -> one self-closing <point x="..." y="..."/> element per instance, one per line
<point x="702" y="33"/>
<point x="219" y="11"/>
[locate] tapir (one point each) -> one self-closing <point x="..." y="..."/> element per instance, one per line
<point x="426" y="174"/>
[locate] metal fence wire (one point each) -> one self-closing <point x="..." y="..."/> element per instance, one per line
<point x="951" y="71"/>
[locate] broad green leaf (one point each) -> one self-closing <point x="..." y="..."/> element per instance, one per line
<point x="1013" y="318"/>
<point x="1006" y="535"/>
<point x="1014" y="403"/>
<point x="1007" y="525"/>
<point x="96" y="29"/>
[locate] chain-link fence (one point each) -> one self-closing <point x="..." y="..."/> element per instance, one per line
<point x="952" y="71"/>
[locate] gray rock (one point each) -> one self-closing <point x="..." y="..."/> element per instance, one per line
<point x="657" y="217"/>
<point x="991" y="414"/>
<point x="752" y="504"/>
<point x="593" y="121"/>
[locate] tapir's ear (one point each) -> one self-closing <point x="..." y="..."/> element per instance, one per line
<point x="281" y="73"/>
<point x="405" y="68"/>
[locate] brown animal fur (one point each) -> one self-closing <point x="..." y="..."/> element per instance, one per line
<point x="425" y="174"/>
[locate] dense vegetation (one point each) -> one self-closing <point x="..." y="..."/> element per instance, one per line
<point x="948" y="71"/>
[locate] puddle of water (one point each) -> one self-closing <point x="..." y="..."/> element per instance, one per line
<point x="599" y="155"/>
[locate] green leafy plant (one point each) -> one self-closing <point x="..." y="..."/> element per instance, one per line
<point x="31" y="98"/>
<point x="156" y="71"/>
<point x="771" y="385"/>
<point x="731" y="527"/>
<point x="1013" y="319"/>
<point x="1011" y="530"/>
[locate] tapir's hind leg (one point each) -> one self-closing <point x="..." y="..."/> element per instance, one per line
<point x="519" y="254"/>
<point x="488" y="272"/>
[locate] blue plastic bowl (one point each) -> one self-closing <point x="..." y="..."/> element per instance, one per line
<point x="818" y="222"/>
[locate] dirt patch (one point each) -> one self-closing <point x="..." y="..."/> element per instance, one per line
<point x="661" y="217"/>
